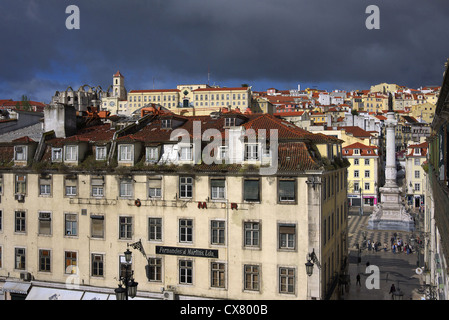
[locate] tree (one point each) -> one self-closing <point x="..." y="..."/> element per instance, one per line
<point x="26" y="105"/>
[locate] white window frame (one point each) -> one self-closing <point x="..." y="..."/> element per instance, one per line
<point x="252" y="151"/>
<point x="56" y="154"/>
<point x="71" y="153"/>
<point x="126" y="152"/>
<point x="186" y="155"/>
<point x="100" y="153"/>
<point x="23" y="154"/>
<point x="151" y="154"/>
<point x="126" y="188"/>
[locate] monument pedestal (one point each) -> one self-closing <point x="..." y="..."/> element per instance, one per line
<point x="391" y="214"/>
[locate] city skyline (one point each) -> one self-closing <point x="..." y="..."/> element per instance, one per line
<point x="264" y="44"/>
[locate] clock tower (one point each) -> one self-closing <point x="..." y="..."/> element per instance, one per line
<point x="118" y="86"/>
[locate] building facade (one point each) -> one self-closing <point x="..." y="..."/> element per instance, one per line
<point x="232" y="229"/>
<point x="363" y="174"/>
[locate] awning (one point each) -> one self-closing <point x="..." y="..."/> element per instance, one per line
<point x="40" y="293"/>
<point x="16" y="287"/>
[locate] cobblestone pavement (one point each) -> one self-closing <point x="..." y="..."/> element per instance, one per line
<point x="394" y="268"/>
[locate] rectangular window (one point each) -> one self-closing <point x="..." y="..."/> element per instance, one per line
<point x="71" y="224"/>
<point x="56" y="154"/>
<point x="97" y="265"/>
<point x="125" y="226"/>
<point x="287" y="236"/>
<point x="185" y="187"/>
<point x="21" y="184"/>
<point x="367" y="185"/>
<point x="356" y="186"/>
<point x="185" y="271"/>
<point x="218" y="275"/>
<point x="185" y="230"/>
<point x="251" y="190"/>
<point x="155" y="229"/>
<point x="19" y="259"/>
<point x="251" y="151"/>
<point x="218" y="231"/>
<point x="20" y="153"/>
<point x="20" y="221"/>
<point x="417" y="162"/>
<point x="45" y="223"/>
<point x="287" y="190"/>
<point x="223" y="152"/>
<point x="166" y="123"/>
<point x="154" y="269"/>
<point x="217" y="189"/>
<point x="100" y="153"/>
<point x="229" y="122"/>
<point x="417" y="174"/>
<point x="97" y="226"/>
<point x="366" y="173"/>
<point x="252" y="277"/>
<point x="252" y="234"/>
<point x="152" y="154"/>
<point x="417" y="187"/>
<point x="70" y="185"/>
<point x="186" y="153"/>
<point x="155" y="187"/>
<point x="71" y="153"/>
<point x="126" y="188"/>
<point x="70" y="262"/>
<point x="97" y="185"/>
<point x="45" y="186"/>
<point x="287" y="280"/>
<point x="45" y="260"/>
<point x="126" y="152"/>
<point x="367" y="162"/>
<point x="356" y="173"/>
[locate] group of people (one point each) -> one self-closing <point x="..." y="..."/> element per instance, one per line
<point x="398" y="245"/>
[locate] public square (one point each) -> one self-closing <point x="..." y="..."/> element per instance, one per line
<point x="394" y="268"/>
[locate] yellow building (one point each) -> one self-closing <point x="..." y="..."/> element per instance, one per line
<point x="192" y="99"/>
<point x="363" y="174"/>
<point x="71" y="205"/>
<point x="385" y="87"/>
<point x="423" y="112"/>
<point x="415" y="174"/>
<point x="376" y="102"/>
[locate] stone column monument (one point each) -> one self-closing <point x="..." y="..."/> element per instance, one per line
<point x="390" y="214"/>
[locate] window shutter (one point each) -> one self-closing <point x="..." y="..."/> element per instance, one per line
<point x="251" y="190"/>
<point x="217" y="183"/>
<point x="287" y="188"/>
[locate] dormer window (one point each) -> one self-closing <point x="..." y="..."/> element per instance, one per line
<point x="186" y="153"/>
<point x="417" y="151"/>
<point x="251" y="151"/>
<point x="356" y="151"/>
<point x="56" y="154"/>
<point x="166" y="123"/>
<point x="152" y="154"/>
<point x="229" y="122"/>
<point x="100" y="153"/>
<point x="20" y="153"/>
<point x="126" y="152"/>
<point x="71" y="153"/>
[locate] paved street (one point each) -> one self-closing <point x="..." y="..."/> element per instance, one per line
<point x="393" y="267"/>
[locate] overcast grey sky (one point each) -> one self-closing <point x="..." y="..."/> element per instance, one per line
<point x="264" y="43"/>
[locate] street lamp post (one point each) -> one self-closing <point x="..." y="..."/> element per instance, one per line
<point x="127" y="280"/>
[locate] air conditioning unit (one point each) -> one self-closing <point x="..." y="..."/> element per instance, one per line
<point x="19" y="197"/>
<point x="25" y="276"/>
<point x="168" y="295"/>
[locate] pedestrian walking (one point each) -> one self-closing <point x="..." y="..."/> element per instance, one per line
<point x="392" y="290"/>
<point x="385" y="247"/>
<point x="358" y="279"/>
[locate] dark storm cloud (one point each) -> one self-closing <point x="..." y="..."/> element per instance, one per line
<point x="257" y="42"/>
